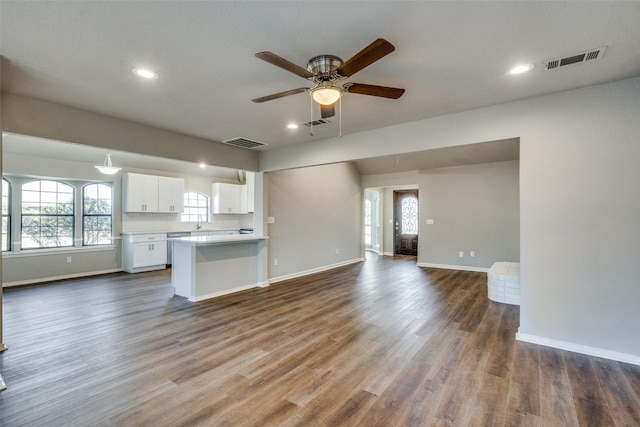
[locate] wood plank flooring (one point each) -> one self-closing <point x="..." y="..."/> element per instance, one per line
<point x="380" y="343"/>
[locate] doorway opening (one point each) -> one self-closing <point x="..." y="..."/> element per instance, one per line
<point x="372" y="221"/>
<point x="405" y="220"/>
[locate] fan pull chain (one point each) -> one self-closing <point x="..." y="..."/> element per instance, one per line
<point x="340" y="118"/>
<point x="311" y="115"/>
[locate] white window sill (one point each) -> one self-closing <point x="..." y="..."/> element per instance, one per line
<point x="56" y="251"/>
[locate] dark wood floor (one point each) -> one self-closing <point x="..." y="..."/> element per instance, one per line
<point x="378" y="343"/>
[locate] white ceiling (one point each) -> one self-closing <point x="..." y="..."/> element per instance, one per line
<point x="450" y="56"/>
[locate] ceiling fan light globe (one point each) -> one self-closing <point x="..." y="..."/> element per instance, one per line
<point x="326" y="95"/>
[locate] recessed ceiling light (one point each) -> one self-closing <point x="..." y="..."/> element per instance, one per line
<point x="522" y="68"/>
<point x="203" y="165"/>
<point x="292" y="126"/>
<point x="145" y="73"/>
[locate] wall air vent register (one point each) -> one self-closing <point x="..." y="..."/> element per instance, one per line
<point x="590" y="55"/>
<point x="244" y="143"/>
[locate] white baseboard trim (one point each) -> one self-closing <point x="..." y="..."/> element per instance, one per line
<point x="221" y="293"/>
<point x="453" y="267"/>
<point x="315" y="270"/>
<point x="263" y="284"/>
<point x="63" y="277"/>
<point x="579" y="348"/>
<point x="387" y="253"/>
<point x="3" y="385"/>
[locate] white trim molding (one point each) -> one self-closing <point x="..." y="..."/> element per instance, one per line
<point x="63" y="277"/>
<point x="3" y="385"/>
<point x="453" y="267"/>
<point x="315" y="270"/>
<point x="221" y="293"/>
<point x="579" y="348"/>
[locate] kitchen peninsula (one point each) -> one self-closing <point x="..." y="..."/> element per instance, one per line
<point x="210" y="266"/>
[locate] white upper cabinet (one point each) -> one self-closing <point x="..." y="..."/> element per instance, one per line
<point x="139" y="193"/>
<point x="171" y="194"/>
<point x="229" y="198"/>
<point x="152" y="194"/>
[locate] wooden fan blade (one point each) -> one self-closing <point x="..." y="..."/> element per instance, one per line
<point x="274" y="59"/>
<point x="327" y="111"/>
<point x="366" y="57"/>
<point x="373" y="90"/>
<point x="280" y="94"/>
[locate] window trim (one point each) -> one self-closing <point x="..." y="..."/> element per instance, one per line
<point x="8" y="215"/>
<point x="85" y="215"/>
<point x="40" y="215"/>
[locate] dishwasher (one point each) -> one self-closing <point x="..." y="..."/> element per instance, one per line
<point x="170" y="236"/>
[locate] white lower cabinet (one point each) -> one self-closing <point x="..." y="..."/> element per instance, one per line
<point x="144" y="252"/>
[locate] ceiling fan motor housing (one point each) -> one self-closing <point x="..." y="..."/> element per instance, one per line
<point x="323" y="67"/>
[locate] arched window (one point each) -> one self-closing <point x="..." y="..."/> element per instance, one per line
<point x="97" y="214"/>
<point x="6" y="215"/>
<point x="196" y="208"/>
<point x="47" y="214"/>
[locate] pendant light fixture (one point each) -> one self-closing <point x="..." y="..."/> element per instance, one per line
<point x="107" y="168"/>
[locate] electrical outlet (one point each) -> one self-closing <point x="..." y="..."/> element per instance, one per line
<point x="461" y="254"/>
<point x="275" y="261"/>
<point x="337" y="251"/>
<point x="429" y="222"/>
<point x="68" y="259"/>
<point x="472" y="254"/>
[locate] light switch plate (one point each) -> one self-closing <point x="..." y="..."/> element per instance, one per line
<point x="429" y="221"/>
<point x="271" y="220"/>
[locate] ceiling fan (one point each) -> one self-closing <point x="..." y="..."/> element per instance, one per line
<point x="326" y="70"/>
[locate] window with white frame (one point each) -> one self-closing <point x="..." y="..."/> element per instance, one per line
<point x="6" y="215"/>
<point x="196" y="208"/>
<point x="97" y="216"/>
<point x="47" y="214"/>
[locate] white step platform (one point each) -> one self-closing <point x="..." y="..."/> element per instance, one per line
<point x="504" y="282"/>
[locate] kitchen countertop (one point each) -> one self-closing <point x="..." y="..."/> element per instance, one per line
<point x="178" y="231"/>
<point x="218" y="240"/>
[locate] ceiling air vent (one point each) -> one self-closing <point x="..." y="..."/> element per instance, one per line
<point x="244" y="143"/>
<point x="316" y="122"/>
<point x="590" y="55"/>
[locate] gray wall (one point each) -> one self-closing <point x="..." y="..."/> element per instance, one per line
<point x="579" y="204"/>
<point x="316" y="210"/>
<point x="473" y="208"/>
<point x="33" y="117"/>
